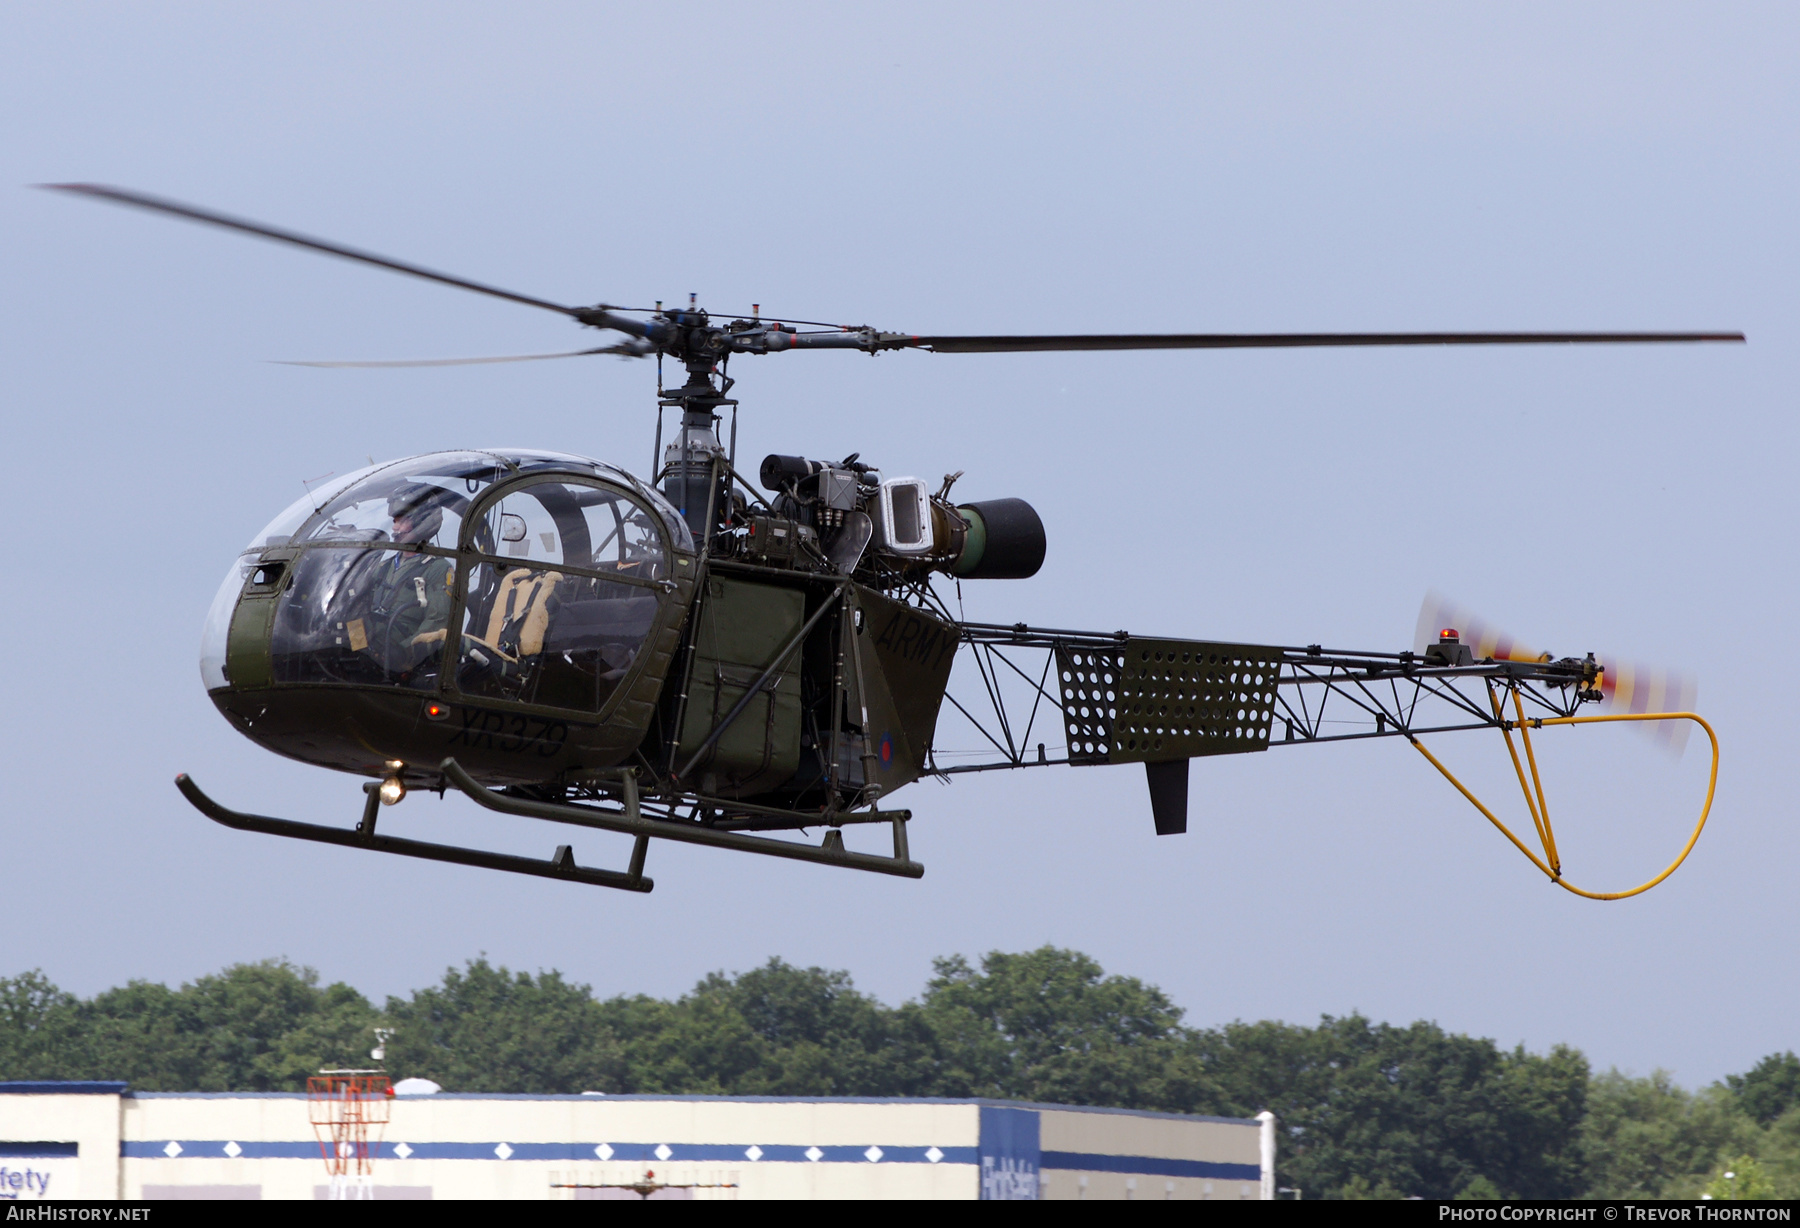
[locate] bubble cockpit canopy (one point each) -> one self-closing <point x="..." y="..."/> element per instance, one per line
<point x="562" y="564"/>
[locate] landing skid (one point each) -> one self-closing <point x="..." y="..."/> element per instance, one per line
<point x="629" y="821"/>
<point x="363" y="836"/>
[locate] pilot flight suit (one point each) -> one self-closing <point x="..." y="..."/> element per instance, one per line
<point x="409" y="608"/>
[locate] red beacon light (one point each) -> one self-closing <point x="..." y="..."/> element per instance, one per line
<point x="1449" y="650"/>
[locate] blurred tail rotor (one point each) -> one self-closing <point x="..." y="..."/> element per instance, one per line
<point x="1627" y="686"/>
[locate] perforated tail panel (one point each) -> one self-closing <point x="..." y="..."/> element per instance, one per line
<point x="1149" y="701"/>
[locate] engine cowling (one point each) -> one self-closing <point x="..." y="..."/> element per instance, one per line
<point x="907" y="526"/>
<point x="1005" y="541"/>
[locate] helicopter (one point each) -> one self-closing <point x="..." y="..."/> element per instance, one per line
<point x="702" y="658"/>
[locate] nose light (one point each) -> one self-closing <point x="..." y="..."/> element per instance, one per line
<point x="392" y="790"/>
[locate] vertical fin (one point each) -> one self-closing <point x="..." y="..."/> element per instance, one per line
<point x="1169" y="795"/>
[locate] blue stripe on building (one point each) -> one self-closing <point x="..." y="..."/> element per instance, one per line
<point x="623" y="1153"/>
<point x="214" y="1149"/>
<point x="39" y="1151"/>
<point x="1151" y="1166"/>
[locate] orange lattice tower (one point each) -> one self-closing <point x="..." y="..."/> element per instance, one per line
<point x="349" y="1109"/>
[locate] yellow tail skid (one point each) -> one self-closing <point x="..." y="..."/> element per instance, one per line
<point x="1551" y="862"/>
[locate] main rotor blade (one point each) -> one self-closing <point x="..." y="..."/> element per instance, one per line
<point x="461" y="362"/>
<point x="1256" y="341"/>
<point x="157" y="204"/>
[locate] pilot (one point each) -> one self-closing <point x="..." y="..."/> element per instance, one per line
<point x="409" y="594"/>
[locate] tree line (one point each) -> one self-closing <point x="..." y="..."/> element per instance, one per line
<point x="1367" y="1110"/>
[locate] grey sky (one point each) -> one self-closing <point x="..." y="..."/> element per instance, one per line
<point x="951" y="168"/>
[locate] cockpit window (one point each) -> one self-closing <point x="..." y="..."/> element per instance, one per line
<point x="575" y="525"/>
<point x="680" y="537"/>
<point x="451" y="471"/>
<point x="367" y="615"/>
<point x="534" y="629"/>
<point x="536" y="635"/>
<point x="567" y="577"/>
<point x="419" y="502"/>
<point x="281" y="530"/>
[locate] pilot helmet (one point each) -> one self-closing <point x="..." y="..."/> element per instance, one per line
<point x="422" y="504"/>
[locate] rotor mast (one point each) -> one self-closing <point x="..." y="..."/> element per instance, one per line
<point x="690" y="470"/>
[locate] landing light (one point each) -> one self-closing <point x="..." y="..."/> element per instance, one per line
<point x="392" y="791"/>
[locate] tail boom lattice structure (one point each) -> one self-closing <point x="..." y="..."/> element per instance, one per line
<point x="1121" y="698"/>
<point x="1134" y="699"/>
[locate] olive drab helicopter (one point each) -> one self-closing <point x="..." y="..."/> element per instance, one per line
<point x="708" y="659"/>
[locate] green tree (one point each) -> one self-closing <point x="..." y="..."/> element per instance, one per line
<point x="1479" y="1190"/>
<point x="1768" y="1089"/>
<point x="696" y="1046"/>
<point x="1779" y="1151"/>
<point x="37" y="1027"/>
<point x="1368" y="1110"/>
<point x="1418" y="1111"/>
<point x="1741" y="1178"/>
<point x="1358" y="1189"/>
<point x="1648" y="1138"/>
<point x="1050" y="1025"/>
<point x="253" y="1027"/>
<point x="775" y="1030"/>
<point x="1544" y="1103"/>
<point x="487" y="1029"/>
